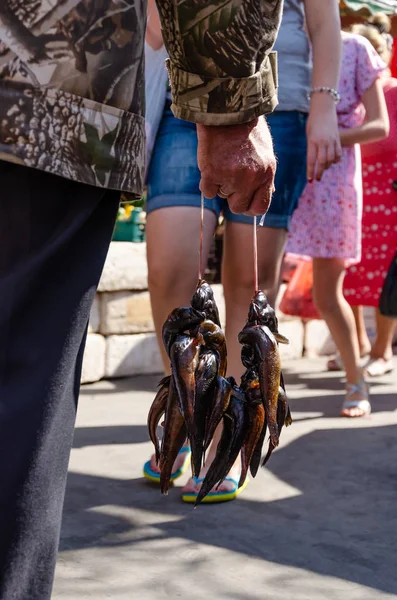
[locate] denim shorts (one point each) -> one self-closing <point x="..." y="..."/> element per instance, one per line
<point x="174" y="177"/>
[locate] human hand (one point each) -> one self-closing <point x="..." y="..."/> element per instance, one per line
<point x="237" y="162"/>
<point x="323" y="141"/>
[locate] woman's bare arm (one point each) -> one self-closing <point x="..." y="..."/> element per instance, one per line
<point x="323" y="24"/>
<point x="376" y="125"/>
<point x="153" y="31"/>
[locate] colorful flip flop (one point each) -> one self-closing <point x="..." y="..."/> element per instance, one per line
<point x="214" y="497"/>
<point x="151" y="475"/>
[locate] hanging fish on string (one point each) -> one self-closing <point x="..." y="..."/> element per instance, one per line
<point x="198" y="396"/>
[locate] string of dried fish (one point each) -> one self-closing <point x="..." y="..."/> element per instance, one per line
<point x="197" y="397"/>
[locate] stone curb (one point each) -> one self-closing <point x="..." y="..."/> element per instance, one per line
<point x="94" y="359"/>
<point x="128" y="355"/>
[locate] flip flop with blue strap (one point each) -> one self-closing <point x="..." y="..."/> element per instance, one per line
<point x="151" y="475"/>
<point x="214" y="497"/>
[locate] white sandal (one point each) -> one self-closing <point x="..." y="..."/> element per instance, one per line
<point x="362" y="404"/>
<point x="376" y="367"/>
<point x="336" y="363"/>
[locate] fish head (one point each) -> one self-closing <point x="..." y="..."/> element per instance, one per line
<point x="203" y="300"/>
<point x="251" y="387"/>
<point x="261" y="313"/>
<point x="182" y="319"/>
<point x="259" y="308"/>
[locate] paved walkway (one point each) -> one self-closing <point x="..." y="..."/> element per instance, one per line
<point x="319" y="524"/>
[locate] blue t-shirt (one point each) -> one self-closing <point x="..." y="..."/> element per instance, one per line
<point x="294" y="59"/>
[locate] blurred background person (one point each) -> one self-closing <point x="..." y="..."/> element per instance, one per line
<point x="327" y="223"/>
<point x="364" y="282"/>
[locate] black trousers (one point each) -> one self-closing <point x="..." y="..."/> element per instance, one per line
<point x="54" y="237"/>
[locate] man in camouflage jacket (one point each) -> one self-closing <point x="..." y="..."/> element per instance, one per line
<point x="71" y="143"/>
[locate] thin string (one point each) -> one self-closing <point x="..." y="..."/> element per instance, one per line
<point x="255" y="258"/>
<point x="200" y="267"/>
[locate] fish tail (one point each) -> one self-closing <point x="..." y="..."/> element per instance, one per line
<point x="178" y="439"/>
<point x="217" y="469"/>
<point x="257" y="454"/>
<point x="156" y="411"/>
<point x="269" y="453"/>
<point x="244" y="466"/>
<point x="164" y="484"/>
<point x="197" y="456"/>
<point x="254" y="465"/>
<point x="243" y="477"/>
<point x="221" y="402"/>
<point x="274" y="434"/>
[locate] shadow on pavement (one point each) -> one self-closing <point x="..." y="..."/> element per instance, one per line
<point x="141" y="383"/>
<point x="342" y="523"/>
<point x="112" y="435"/>
<point x="329" y="404"/>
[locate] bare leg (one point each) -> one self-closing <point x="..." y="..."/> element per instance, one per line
<point x="385" y="328"/>
<point x="238" y="285"/>
<point x="328" y="275"/>
<point x="172" y="236"/>
<point x="363" y="340"/>
<point x="334" y="364"/>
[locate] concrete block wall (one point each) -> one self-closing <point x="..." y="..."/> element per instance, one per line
<point x="121" y="341"/>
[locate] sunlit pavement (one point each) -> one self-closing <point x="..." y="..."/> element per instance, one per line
<point x="319" y="524"/>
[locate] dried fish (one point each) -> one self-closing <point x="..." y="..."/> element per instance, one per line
<point x="218" y="464"/>
<point x="198" y="397"/>
<point x="255" y="425"/>
<point x="173" y="438"/>
<point x="184" y="362"/>
<point x="203" y="301"/>
<point x="156" y="412"/>
<point x="266" y="356"/>
<point x="206" y="381"/>
<point x="220" y="404"/>
<point x="178" y="321"/>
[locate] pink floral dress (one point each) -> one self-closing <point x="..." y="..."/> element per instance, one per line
<point x="327" y="222"/>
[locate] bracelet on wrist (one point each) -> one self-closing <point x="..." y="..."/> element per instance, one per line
<point x="326" y="90"/>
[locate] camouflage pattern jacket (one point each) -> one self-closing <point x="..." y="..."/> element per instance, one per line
<point x="71" y="78"/>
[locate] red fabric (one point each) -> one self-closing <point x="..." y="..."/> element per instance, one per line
<point x="393" y="65"/>
<point x="363" y="282"/>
